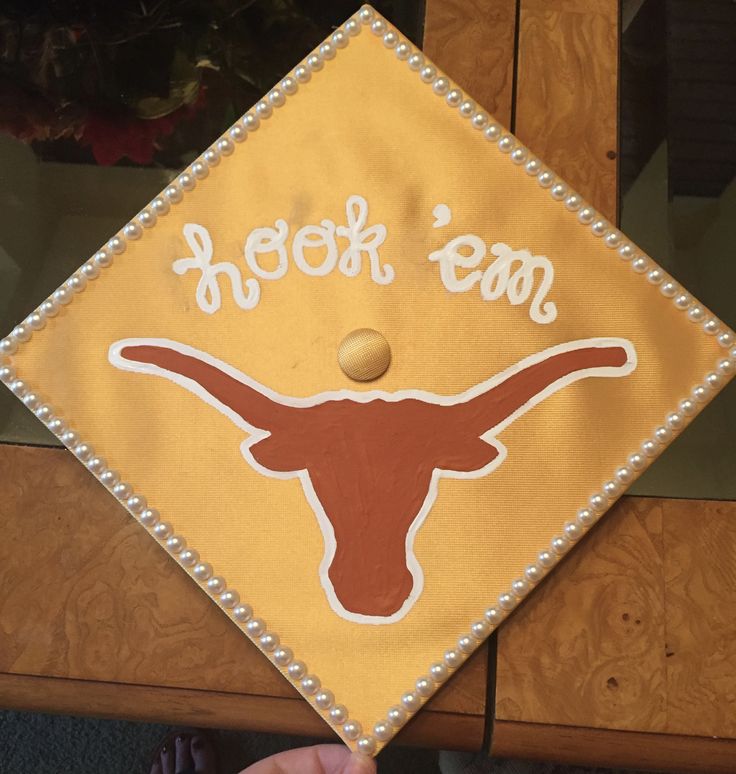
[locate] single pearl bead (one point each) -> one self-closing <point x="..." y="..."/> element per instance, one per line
<point x="22" y="333"/>
<point x="637" y="461"/>
<point x="132" y="231"/>
<point x="640" y="264"/>
<point x="251" y="122"/>
<point x="655" y="277"/>
<point x="136" y="504"/>
<point x="339" y="39"/>
<point x="533" y="167"/>
<point x="324" y="699"/>
<point x="175" y="544"/>
<point x="44" y="413"/>
<point x="725" y="339"/>
<point x="311" y="684"/>
<point x="7" y="374"/>
<point x="438" y="672"/>
<point x="573" y="531"/>
<point x="674" y="421"/>
<point x="365" y="14"/>
<point x="506" y="144"/>
<point x="599" y="227"/>
<point x="116" y="245"/>
<point x="466" y="644"/>
<point x="109" y="478"/>
<point x="725" y="366"/>
<point x="454" y="97"/>
<point x="662" y="434"/>
<point x="403" y="51"/>
<point x="229" y="598"/>
<point x="623" y="475"/>
<point x="283" y="656"/>
<point x="695" y="313"/>
<point x="36" y="321"/>
<point x="162" y="530"/>
<point x="545" y="179"/>
<point x="297" y="670"/>
<point x="302" y="74"/>
<point x="612" y="239"/>
<point x="453" y="659"/>
<point x="49" y="307"/>
<point x="31" y="400"/>
<point x="200" y="170"/>
<point x="366" y="745"/>
<point x="687" y="407"/>
<point x="289" y="85"/>
<point x="682" y="301"/>
<point x="546" y="559"/>
<point x="122" y="491"/>
<point x="338" y="714"/>
<point x="424" y="686"/>
<point x="466" y="108"/>
<point x="597" y="502"/>
<point x="216" y="584"/>
<point x="649" y="448"/>
<point x="77" y="283"/>
<point x="62" y="296"/>
<point x="533" y="573"/>
<point x="147" y="219"/>
<point x="314" y="63"/>
<point x="173" y="193"/>
<point x="378" y="27"/>
<point x="390" y="39"/>
<point x="188" y="557"/>
<point x="238" y="133"/>
<point x="611" y="489"/>
<point x="428" y="73"/>
<point x="69" y="438"/>
<point x="573" y="202"/>
<point x="415" y="62"/>
<point x="560" y="544"/>
<point x="383" y="731"/>
<point x="396" y="716"/>
<point x="507" y="601"/>
<point x="626" y="251"/>
<point x="352" y="27"/>
<point x="202" y="571"/>
<point x="352" y="729"/>
<point x="255" y="627"/>
<point x="90" y="270"/>
<point x="520" y="588"/>
<point x="558" y="191"/>
<point x="586" y="517"/>
<point x="441" y="86"/>
<point x="149" y="517"/>
<point x="269" y="642"/>
<point x="480" y="630"/>
<point x="668" y="289"/>
<point x="586" y="215"/>
<point x="277" y="97"/>
<point x="479" y="120"/>
<point x="492" y="132"/>
<point x="711" y="326"/>
<point x="411" y="701"/>
<point x="519" y="155"/>
<point x="244" y="613"/>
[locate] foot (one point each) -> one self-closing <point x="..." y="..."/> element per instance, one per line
<point x="185" y="752"/>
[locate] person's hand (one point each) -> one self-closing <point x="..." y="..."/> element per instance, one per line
<point x="320" y="759"/>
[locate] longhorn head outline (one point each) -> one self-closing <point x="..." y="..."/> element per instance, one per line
<point x="366" y="448"/>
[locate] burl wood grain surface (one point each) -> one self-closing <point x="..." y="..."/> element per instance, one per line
<point x="473" y="42"/>
<point x="566" y="104"/>
<point x="636" y="630"/>
<point x="89" y="602"/>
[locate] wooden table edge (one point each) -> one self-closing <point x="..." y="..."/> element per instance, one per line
<point x="575" y="745"/>
<point x="216" y="709"/>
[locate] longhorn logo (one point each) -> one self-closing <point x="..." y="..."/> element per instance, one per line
<point x="370" y="462"/>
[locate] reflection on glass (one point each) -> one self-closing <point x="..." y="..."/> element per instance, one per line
<point x="678" y="188"/>
<point x="101" y="104"/>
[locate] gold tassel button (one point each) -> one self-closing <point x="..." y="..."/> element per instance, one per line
<point x="364" y="355"/>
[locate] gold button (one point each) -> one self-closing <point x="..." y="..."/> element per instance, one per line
<point x="364" y="355"/>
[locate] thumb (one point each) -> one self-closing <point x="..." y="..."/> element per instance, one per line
<point x="357" y="764"/>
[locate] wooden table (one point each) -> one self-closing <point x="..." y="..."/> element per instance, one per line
<point x="636" y="666"/>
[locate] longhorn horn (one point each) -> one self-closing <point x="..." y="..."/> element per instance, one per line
<point x="252" y="404"/>
<point x="532" y="380"/>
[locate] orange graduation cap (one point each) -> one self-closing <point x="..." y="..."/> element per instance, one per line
<point x="367" y="370"/>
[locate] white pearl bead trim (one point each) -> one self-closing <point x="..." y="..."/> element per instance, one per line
<point x="241" y="613"/>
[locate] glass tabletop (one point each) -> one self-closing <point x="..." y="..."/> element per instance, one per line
<point x="98" y="115"/>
